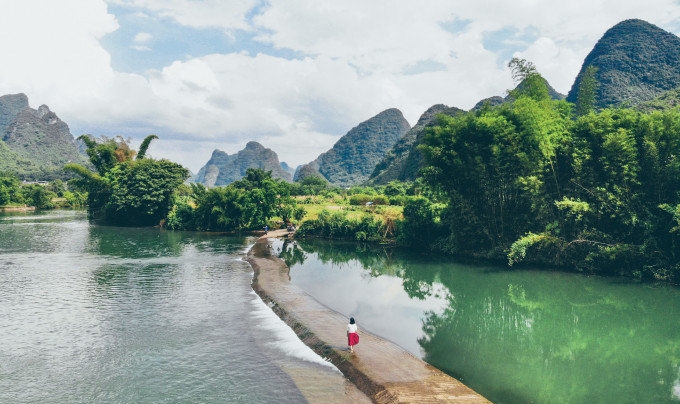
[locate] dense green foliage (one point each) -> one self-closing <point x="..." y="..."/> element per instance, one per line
<point x="587" y="91"/>
<point x="247" y="204"/>
<point x="338" y="225"/>
<point x="10" y="189"/>
<point x="527" y="181"/>
<point x="14" y="192"/>
<point x="311" y="185"/>
<point x="126" y="191"/>
<point x="141" y="191"/>
<point x="421" y="226"/>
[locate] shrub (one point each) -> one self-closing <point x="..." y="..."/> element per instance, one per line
<point x="337" y="225"/>
<point x="363" y="199"/>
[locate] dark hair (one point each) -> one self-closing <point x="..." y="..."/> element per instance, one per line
<point x="351" y="320"/>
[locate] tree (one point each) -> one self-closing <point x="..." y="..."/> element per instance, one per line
<point x="500" y="169"/>
<point x="141" y="191"/>
<point x="421" y="226"/>
<point x="126" y="191"/>
<point x="106" y="153"/>
<point x="38" y="196"/>
<point x="249" y="203"/>
<point x="529" y="81"/>
<point x="587" y="91"/>
<point x="144" y="146"/>
<point x="221" y="209"/>
<point x="10" y="189"/>
<point x="395" y="188"/>
<point x="311" y="185"/>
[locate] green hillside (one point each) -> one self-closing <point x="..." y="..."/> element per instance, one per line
<point x="353" y="158"/>
<point x="35" y="144"/>
<point x="636" y="61"/>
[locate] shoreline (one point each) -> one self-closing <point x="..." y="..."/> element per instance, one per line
<point x="380" y="370"/>
<point x="8" y="209"/>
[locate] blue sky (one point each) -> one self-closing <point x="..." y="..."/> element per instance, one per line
<point x="294" y="75"/>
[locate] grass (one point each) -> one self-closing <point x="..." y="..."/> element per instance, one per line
<point x="354" y="212"/>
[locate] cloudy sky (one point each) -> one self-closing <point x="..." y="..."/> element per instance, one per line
<point x="294" y="75"/>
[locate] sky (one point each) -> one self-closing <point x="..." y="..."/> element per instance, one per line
<point x="293" y="75"/>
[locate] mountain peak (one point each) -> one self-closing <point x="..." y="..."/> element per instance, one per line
<point x="39" y="142"/>
<point x="254" y="146"/>
<point x="354" y="156"/>
<point x="636" y="61"/>
<point x="223" y="169"/>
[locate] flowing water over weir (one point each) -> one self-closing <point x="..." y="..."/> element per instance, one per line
<point x="96" y="314"/>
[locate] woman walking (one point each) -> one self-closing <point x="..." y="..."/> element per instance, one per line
<point x="352" y="335"/>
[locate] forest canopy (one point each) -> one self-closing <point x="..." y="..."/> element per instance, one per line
<point x="531" y="181"/>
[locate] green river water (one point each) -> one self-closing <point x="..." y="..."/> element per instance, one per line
<point x="515" y="336"/>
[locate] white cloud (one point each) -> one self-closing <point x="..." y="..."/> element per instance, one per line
<point x="142" y="37"/>
<point x="52" y="50"/>
<point x="376" y="36"/>
<point x="353" y="59"/>
<point x="140" y="42"/>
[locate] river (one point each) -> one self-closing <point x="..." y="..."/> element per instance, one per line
<point x="119" y="315"/>
<point x="105" y="314"/>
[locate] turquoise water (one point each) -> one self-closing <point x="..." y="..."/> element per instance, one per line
<point x="115" y="315"/>
<point x="517" y="336"/>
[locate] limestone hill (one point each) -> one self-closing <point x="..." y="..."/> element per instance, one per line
<point x="35" y="144"/>
<point x="636" y="61"/>
<point x="353" y="158"/>
<point x="223" y="169"/>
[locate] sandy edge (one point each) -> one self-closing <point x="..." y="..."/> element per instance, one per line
<point x="383" y="371"/>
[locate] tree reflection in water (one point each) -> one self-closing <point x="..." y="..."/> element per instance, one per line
<point x="532" y="336"/>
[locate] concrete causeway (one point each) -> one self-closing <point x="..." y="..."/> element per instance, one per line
<point x="383" y="371"/>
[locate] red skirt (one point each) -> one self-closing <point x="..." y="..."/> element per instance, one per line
<point x="352" y="339"/>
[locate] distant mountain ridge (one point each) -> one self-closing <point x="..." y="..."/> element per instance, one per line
<point x="36" y="144"/>
<point x="223" y="169"/>
<point x="404" y="160"/>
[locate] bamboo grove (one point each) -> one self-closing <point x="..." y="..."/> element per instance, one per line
<point x="533" y="181"/>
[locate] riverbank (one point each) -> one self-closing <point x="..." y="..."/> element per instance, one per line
<point x="17" y="208"/>
<point x="382" y="371"/>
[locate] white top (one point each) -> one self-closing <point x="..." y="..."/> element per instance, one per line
<point x="351" y="328"/>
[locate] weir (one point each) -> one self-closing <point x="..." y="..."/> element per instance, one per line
<point x="383" y="371"/>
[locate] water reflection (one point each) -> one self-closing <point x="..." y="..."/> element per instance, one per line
<point x="515" y="336"/>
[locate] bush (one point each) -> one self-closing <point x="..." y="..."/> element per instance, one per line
<point x="421" y="225"/>
<point x="363" y="199"/>
<point x="182" y="216"/>
<point x="337" y="225"/>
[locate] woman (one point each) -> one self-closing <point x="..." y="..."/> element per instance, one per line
<point x="352" y="335"/>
